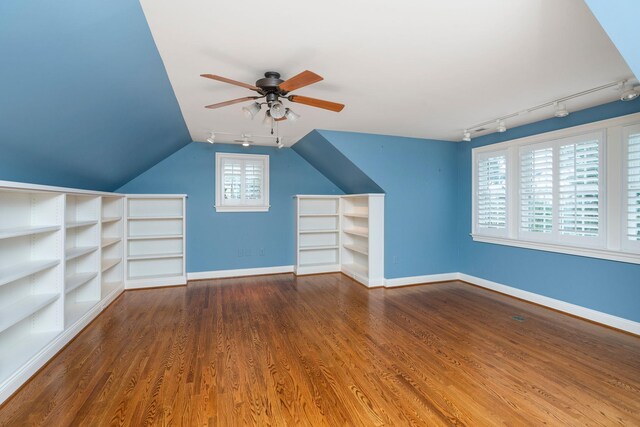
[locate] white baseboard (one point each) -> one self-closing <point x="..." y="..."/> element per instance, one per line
<point x="156" y="282"/>
<point x="416" y="280"/>
<point x="301" y="271"/>
<point x="576" y="310"/>
<point x="26" y="371"/>
<point x="219" y="274"/>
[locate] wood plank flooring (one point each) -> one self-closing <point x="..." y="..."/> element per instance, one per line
<point x="325" y="351"/>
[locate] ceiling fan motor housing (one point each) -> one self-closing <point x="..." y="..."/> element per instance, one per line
<point x="269" y="84"/>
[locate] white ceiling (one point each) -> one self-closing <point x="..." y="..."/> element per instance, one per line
<point x="414" y="68"/>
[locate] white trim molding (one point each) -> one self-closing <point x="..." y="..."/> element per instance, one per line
<point x="417" y="280"/>
<point x="241" y="272"/>
<point x="573" y="309"/>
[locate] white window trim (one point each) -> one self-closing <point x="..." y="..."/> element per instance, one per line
<point x="627" y="244"/>
<point x="219" y="187"/>
<point x="612" y="188"/>
<point x="498" y="232"/>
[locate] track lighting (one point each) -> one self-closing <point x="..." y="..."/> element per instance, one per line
<point x="561" y="110"/>
<point x="277" y="110"/>
<point x="466" y="136"/>
<point x="501" y="126"/>
<point x="291" y="116"/>
<point x="629" y="93"/>
<point x="212" y="138"/>
<point x="251" y="110"/>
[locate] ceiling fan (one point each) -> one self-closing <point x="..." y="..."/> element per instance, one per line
<point x="274" y="89"/>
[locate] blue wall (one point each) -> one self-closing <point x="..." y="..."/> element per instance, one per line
<point x="419" y="179"/>
<point x="319" y="152"/>
<point x="215" y="241"/>
<point x="619" y="19"/>
<point x="84" y="97"/>
<point x="607" y="286"/>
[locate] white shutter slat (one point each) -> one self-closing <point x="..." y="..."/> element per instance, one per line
<point x="633" y="187"/>
<point x="536" y="190"/>
<point x="491" y="193"/>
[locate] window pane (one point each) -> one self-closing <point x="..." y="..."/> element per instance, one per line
<point x="578" y="210"/>
<point x="253" y="180"/>
<point x="492" y="192"/>
<point x="232" y="178"/>
<point x="633" y="187"/>
<point x="536" y="190"/>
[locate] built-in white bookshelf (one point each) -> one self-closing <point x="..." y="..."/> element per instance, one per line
<point x="31" y="275"/>
<point x="112" y="245"/>
<point x="155" y="240"/>
<point x="341" y="233"/>
<point x="362" y="252"/>
<point x="317" y="234"/>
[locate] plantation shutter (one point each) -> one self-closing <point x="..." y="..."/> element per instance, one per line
<point x="633" y="186"/>
<point x="536" y="190"/>
<point x="579" y="189"/>
<point x="492" y="193"/>
<point x="253" y="178"/>
<point x="232" y="179"/>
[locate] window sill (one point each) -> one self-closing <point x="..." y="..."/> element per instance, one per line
<point x="242" y="208"/>
<point x="571" y="250"/>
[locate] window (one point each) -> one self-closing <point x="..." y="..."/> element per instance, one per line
<point x="547" y="191"/>
<point x="631" y="213"/>
<point x="492" y="193"/>
<point x="242" y="182"/>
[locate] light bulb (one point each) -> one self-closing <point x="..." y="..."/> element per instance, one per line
<point x="466" y="136"/>
<point x="277" y="110"/>
<point x="267" y="121"/>
<point x="501" y="126"/>
<point x="212" y="138"/>
<point x="251" y="110"/>
<point x="290" y="115"/>
<point x="561" y="111"/>
<point x="629" y="94"/>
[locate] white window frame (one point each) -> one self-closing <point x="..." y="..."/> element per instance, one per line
<point x="499" y="232"/>
<point x="243" y="205"/>
<point x="611" y="242"/>
<point x="627" y="244"/>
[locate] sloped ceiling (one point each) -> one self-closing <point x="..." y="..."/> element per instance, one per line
<point x="84" y="97"/>
<point x="425" y="69"/>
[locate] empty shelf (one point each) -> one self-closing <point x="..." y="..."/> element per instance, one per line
<point x="360" y="249"/>
<point x="109" y="219"/>
<point x="76" y="280"/>
<point x="357" y="232"/>
<point x="156" y="237"/>
<point x="108" y="263"/>
<point x="109" y="287"/>
<point x="16" y="354"/>
<point x="154" y="256"/>
<point x="15" y="312"/>
<point x="356" y="215"/>
<point x="75" y="310"/>
<point x="317" y="248"/>
<point x="8" y="233"/>
<point x="19" y="271"/>
<point x="317" y="215"/>
<point x="142" y="218"/>
<point x="356" y="269"/>
<point x="110" y="241"/>
<point x="78" y="251"/>
<point x="317" y="231"/>
<point x="77" y="224"/>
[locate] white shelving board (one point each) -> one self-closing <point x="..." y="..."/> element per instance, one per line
<point x="155" y="242"/>
<point x="317" y="234"/>
<point x="341" y="233"/>
<point x="112" y="220"/>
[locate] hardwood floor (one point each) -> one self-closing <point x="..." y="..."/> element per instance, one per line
<point x="323" y="350"/>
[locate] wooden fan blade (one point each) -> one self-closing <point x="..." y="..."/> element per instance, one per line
<point x="327" y="105"/>
<point x="303" y="79"/>
<point x="233" y="101"/>
<point x="280" y="119"/>
<point x="226" y="80"/>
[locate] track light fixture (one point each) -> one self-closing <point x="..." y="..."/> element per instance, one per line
<point x="629" y="93"/>
<point x="561" y="110"/>
<point x="251" y="110"/>
<point x="245" y="139"/>
<point x="212" y="138"/>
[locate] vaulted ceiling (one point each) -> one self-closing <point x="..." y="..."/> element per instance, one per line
<point x="411" y="68"/>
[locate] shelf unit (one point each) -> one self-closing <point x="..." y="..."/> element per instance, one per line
<point x="341" y="233"/>
<point x="112" y="245"/>
<point x="362" y="252"/>
<point x="155" y="248"/>
<point x="31" y="275"/>
<point x="317" y="234"/>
